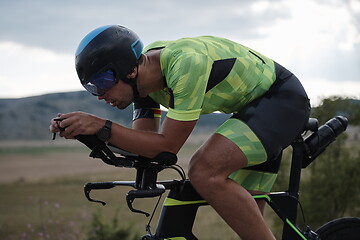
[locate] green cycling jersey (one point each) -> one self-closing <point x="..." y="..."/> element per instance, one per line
<point x="207" y="74"/>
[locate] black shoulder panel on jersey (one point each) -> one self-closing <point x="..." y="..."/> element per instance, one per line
<point x="146" y="102"/>
<point x="172" y="100"/>
<point x="219" y="71"/>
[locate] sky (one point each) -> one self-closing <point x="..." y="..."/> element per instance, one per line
<point x="318" y="40"/>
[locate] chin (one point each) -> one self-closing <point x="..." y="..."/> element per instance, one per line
<point x="122" y="106"/>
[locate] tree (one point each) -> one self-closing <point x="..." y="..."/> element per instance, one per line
<point x="337" y="105"/>
<point x="332" y="189"/>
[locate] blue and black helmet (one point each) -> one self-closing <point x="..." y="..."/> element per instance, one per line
<point x="111" y="47"/>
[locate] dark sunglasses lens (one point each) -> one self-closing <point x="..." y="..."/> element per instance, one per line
<point x="100" y="83"/>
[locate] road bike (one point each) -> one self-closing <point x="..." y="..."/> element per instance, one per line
<point x="180" y="207"/>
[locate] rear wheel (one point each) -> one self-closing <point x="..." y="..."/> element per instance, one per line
<point x="342" y="228"/>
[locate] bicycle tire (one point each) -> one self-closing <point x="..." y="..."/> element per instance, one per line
<point x="339" y="229"/>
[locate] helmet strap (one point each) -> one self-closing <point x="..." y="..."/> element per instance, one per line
<point x="133" y="83"/>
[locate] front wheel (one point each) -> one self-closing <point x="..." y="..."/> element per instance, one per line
<point x="342" y="228"/>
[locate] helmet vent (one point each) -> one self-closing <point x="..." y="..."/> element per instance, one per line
<point x="137" y="48"/>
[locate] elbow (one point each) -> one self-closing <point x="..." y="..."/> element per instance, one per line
<point x="164" y="146"/>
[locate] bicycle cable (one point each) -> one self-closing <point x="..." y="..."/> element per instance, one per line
<point x="179" y="170"/>
<point x="302" y="211"/>
<point x="182" y="174"/>
<point x="148" y="227"/>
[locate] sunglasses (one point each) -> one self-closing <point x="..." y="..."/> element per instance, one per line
<point x="100" y="83"/>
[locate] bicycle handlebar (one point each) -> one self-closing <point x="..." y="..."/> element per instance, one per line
<point x="148" y="168"/>
<point x="149" y="193"/>
<point x="146" y="174"/>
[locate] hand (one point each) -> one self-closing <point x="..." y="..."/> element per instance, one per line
<point x="54" y="127"/>
<point x="76" y="123"/>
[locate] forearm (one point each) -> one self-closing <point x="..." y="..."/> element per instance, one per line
<point x="148" y="143"/>
<point x="143" y="142"/>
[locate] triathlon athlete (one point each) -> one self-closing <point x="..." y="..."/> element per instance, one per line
<point x="190" y="77"/>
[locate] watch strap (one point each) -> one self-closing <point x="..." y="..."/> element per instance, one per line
<point x="104" y="134"/>
<point x="108" y="124"/>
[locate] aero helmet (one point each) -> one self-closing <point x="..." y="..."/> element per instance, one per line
<point x="112" y="47"/>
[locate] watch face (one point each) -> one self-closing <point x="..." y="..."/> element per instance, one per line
<point x="105" y="132"/>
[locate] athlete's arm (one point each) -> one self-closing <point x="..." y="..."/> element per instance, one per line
<point x="146" y="115"/>
<point x="171" y="138"/>
<point x="147" y="124"/>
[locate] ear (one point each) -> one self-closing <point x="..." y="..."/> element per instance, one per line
<point x="133" y="74"/>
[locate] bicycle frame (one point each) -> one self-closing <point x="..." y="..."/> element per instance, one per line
<point x="184" y="212"/>
<point x="183" y="201"/>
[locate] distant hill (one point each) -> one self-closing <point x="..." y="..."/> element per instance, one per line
<point x="29" y="118"/>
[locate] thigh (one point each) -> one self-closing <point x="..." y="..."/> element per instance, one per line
<point x="255" y="181"/>
<point x="218" y="156"/>
<point x="225" y="154"/>
<point x="222" y="156"/>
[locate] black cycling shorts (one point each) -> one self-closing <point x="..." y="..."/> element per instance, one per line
<point x="277" y="117"/>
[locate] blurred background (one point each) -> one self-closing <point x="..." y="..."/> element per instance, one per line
<point x="41" y="180"/>
<point x="316" y="39"/>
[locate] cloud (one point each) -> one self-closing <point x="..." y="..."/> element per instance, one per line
<point x="59" y="25"/>
<point x="31" y="71"/>
<point x="318" y="88"/>
<point x="319" y="40"/>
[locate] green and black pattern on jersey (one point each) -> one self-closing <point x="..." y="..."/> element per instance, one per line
<point x="208" y="74"/>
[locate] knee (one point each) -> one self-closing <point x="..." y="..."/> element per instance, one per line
<point x="196" y="169"/>
<point x="201" y="173"/>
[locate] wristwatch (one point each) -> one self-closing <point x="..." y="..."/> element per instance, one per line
<point x="104" y="134"/>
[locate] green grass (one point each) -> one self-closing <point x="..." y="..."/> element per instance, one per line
<point x="38" y="150"/>
<point x="47" y="207"/>
<point x="56" y="208"/>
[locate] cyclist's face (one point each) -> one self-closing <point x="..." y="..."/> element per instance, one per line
<point x="120" y="95"/>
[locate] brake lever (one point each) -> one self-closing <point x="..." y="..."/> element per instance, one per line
<point x="99" y="185"/>
<point x="148" y="193"/>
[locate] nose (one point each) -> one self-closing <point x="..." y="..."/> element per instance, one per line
<point x="103" y="97"/>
